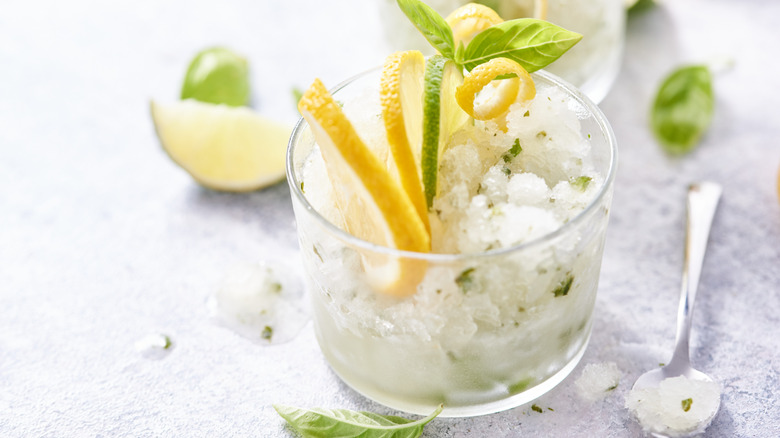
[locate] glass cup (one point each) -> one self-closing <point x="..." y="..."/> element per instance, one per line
<point x="483" y="332"/>
<point x="591" y="65"/>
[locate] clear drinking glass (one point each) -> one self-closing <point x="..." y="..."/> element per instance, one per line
<point x="592" y="65"/>
<point x="483" y="332"/>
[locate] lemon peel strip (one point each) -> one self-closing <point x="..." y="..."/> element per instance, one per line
<point x="403" y="124"/>
<point x="469" y="20"/>
<point x="521" y="88"/>
<point x="403" y="224"/>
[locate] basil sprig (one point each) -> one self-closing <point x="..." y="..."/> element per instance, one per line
<point x="532" y="43"/>
<point x="327" y="423"/>
<point x="683" y="108"/>
<point x="431" y="25"/>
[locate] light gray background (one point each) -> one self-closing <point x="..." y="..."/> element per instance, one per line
<point x="103" y="240"/>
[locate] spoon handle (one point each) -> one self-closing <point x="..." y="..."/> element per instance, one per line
<point x="703" y="200"/>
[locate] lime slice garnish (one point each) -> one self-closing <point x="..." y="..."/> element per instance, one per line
<point x="217" y="75"/>
<point x="441" y="117"/>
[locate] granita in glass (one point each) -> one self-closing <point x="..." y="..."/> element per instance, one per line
<point x="472" y="286"/>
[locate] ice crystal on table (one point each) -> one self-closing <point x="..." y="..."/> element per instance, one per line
<point x="598" y="380"/>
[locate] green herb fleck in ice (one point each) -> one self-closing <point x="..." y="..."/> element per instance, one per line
<point x="581" y="183"/>
<point x="686" y="404"/>
<point x="325" y="423"/>
<point x="465" y="280"/>
<point x="513" y="151"/>
<point x="521" y="385"/>
<point x="683" y="108"/>
<point x="267" y="333"/>
<point x="317" y="253"/>
<point x="563" y="287"/>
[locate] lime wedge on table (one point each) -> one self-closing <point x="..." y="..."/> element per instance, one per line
<point x="441" y="117"/>
<point x="223" y="148"/>
<point x="217" y="75"/>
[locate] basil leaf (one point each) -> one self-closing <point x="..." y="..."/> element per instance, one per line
<point x="331" y="423"/>
<point x="683" y="108"/>
<point x="532" y="43"/>
<point x="431" y="25"/>
<point x="492" y="4"/>
<point x="641" y="5"/>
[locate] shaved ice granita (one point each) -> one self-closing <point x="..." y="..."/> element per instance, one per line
<point x="451" y="220"/>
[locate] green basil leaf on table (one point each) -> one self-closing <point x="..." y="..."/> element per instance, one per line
<point x="683" y="108"/>
<point x="532" y="43"/>
<point x="433" y="27"/>
<point x="330" y="423"/>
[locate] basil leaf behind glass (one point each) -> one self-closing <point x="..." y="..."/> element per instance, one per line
<point x="532" y="43"/>
<point x="683" y="108"/>
<point x="431" y="25"/>
<point x="329" y="423"/>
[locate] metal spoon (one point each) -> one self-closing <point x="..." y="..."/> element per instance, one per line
<point x="702" y="202"/>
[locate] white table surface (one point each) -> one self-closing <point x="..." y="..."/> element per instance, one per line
<point x="103" y="240"/>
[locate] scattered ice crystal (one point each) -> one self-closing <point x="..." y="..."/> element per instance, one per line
<point x="677" y="407"/>
<point x="260" y="302"/>
<point x="598" y="380"/>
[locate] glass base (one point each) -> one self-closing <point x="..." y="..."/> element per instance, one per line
<point x="492" y="407"/>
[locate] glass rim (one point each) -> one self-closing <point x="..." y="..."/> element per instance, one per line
<point x="343" y="235"/>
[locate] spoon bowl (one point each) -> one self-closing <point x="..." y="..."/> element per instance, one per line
<point x="702" y="202"/>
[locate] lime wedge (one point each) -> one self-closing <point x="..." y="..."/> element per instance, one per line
<point x="217" y="75"/>
<point x="223" y="148"/>
<point x="442" y="116"/>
